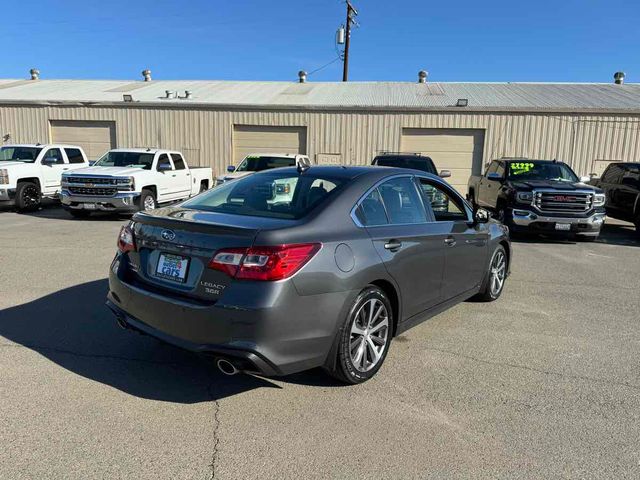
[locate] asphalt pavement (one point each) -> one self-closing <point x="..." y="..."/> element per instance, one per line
<point x="543" y="383"/>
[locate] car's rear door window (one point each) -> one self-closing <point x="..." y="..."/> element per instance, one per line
<point x="74" y="155"/>
<point x="401" y="201"/>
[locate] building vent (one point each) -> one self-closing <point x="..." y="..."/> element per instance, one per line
<point x="618" y="77"/>
<point x="35" y="74"/>
<point x="146" y="74"/>
<point x="170" y="94"/>
<point x="302" y="76"/>
<point x="188" y="94"/>
<point x="422" y="76"/>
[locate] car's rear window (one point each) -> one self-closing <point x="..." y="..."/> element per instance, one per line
<point x="423" y="164"/>
<point x="275" y="195"/>
<point x="259" y="163"/>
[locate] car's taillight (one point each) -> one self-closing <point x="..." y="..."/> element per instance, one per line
<point x="264" y="263"/>
<point x="126" y="240"/>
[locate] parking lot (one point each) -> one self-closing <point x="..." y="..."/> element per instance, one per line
<point x="543" y="383"/>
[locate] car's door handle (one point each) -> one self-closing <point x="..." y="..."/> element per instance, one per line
<point x="66" y="168"/>
<point x="173" y="175"/>
<point x="449" y="241"/>
<point x="393" y="245"/>
<point x="188" y="174"/>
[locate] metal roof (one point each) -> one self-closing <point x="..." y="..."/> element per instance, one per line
<point x="331" y="95"/>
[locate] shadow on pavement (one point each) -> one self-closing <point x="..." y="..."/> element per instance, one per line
<point x="74" y="329"/>
<point x="52" y="209"/>
<point x="612" y="234"/>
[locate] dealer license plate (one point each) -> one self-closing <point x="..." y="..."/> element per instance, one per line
<point x="172" y="267"/>
<point x="563" y="226"/>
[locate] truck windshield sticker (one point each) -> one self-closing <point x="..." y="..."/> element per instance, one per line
<point x="518" y="168"/>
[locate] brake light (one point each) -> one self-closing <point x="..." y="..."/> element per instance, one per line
<point x="126" y="240"/>
<point x="264" y="263"/>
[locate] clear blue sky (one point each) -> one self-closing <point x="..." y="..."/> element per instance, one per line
<point x="455" y="40"/>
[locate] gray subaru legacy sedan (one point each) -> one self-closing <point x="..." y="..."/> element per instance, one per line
<point x="291" y="269"/>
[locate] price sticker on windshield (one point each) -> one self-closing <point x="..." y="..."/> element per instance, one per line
<point x="518" y="168"/>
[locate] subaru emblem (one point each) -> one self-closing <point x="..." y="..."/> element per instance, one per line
<point x="168" y="235"/>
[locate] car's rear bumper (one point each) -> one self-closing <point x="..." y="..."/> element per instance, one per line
<point x="522" y="219"/>
<point x="280" y="332"/>
<point x="120" y="202"/>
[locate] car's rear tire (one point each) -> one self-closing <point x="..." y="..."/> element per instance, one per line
<point x="637" y="224"/>
<point x="28" y="196"/>
<point x="79" y="213"/>
<point x="364" y="338"/>
<point x="147" y="201"/>
<point x="496" y="276"/>
<point x="203" y="187"/>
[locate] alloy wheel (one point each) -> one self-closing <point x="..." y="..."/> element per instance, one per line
<point x="149" y="203"/>
<point x="30" y="196"/>
<point x="498" y="273"/>
<point x="369" y="335"/>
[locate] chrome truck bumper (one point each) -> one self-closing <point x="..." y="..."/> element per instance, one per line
<point x="120" y="202"/>
<point x="526" y="220"/>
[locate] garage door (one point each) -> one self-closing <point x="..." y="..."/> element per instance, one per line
<point x="458" y="150"/>
<point x="248" y="139"/>
<point x="94" y="137"/>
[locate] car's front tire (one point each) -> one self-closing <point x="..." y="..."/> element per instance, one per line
<point x="147" y="201"/>
<point x="496" y="276"/>
<point x="364" y="338"/>
<point x="28" y="197"/>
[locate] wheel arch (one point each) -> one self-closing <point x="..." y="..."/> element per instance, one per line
<point x="35" y="180"/>
<point x="391" y="292"/>
<point x="152" y="188"/>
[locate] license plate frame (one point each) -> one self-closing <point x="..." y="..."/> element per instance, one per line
<point x="563" y="227"/>
<point x="163" y="270"/>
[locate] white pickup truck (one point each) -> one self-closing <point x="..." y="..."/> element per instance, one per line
<point x="132" y="179"/>
<point x="256" y="162"/>
<point x="29" y="172"/>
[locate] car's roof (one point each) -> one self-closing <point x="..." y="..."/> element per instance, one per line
<point x="348" y="172"/>
<point x="142" y="150"/>
<point x="276" y="155"/>
<point x="40" y="145"/>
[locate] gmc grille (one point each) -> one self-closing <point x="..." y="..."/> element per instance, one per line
<point x="101" y="192"/>
<point x="563" y="201"/>
<point x="92" y="180"/>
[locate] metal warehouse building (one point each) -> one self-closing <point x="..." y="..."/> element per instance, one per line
<point x="460" y="125"/>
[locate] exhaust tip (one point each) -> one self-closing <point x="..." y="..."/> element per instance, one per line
<point x="226" y="367"/>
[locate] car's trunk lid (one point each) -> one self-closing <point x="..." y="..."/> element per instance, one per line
<point x="174" y="246"/>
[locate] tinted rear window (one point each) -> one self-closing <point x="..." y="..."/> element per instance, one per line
<point x="276" y="195"/>
<point x="418" y="163"/>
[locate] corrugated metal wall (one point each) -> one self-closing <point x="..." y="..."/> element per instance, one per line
<point x="205" y="135"/>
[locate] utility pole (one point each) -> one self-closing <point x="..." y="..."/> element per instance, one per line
<point x="351" y="14"/>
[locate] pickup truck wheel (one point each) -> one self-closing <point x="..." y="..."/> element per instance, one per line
<point x="496" y="276"/>
<point x="203" y="187"/>
<point x="28" y="196"/>
<point x="636" y="222"/>
<point x="364" y="338"/>
<point x="147" y="201"/>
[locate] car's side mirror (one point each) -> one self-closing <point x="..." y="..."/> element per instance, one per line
<point x="231" y="169"/>
<point x="585" y="179"/>
<point x="496" y="177"/>
<point x="49" y="161"/>
<point x="481" y="216"/>
<point x="444" y="173"/>
<point x="164" y="167"/>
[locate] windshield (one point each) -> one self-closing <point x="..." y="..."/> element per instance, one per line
<point x="126" y="159"/>
<point x="276" y="195"/>
<point x="541" y="170"/>
<point x="259" y="163"/>
<point x="19" y="154"/>
<point x="422" y="164"/>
